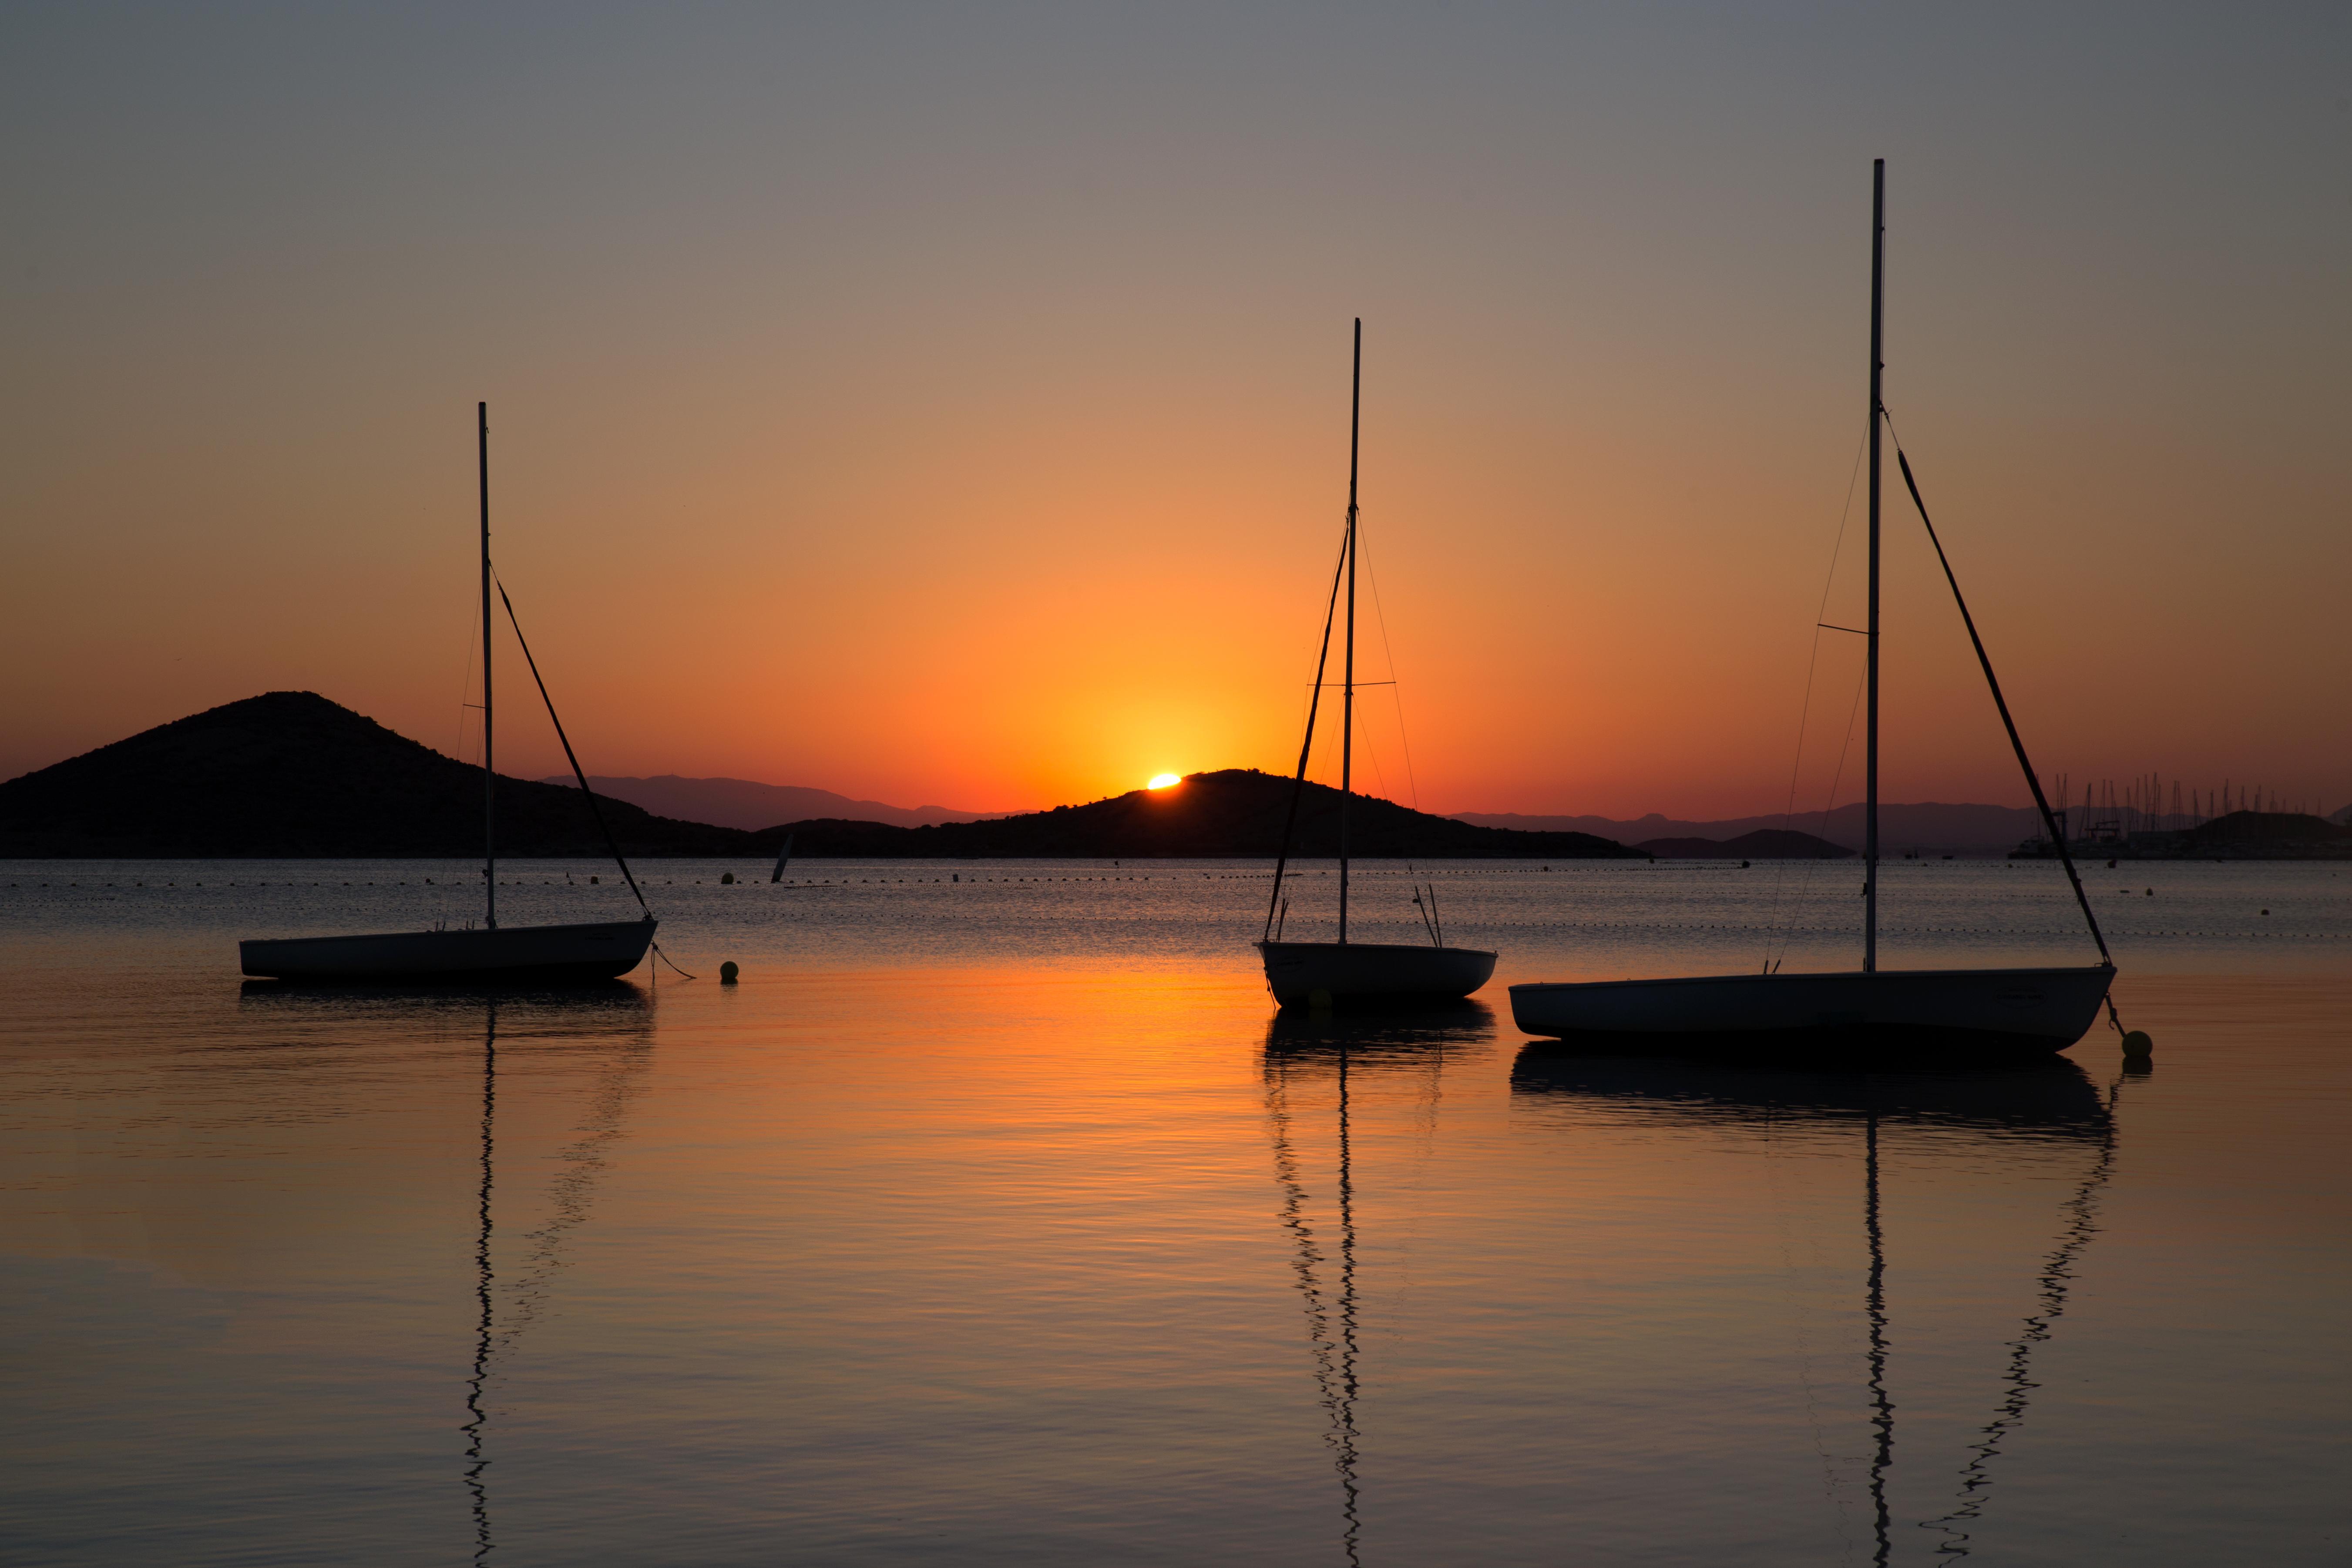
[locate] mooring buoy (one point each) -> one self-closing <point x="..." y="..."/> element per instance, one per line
<point x="727" y="972"/>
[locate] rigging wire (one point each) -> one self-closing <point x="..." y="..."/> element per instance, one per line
<point x="466" y="681"/>
<point x="1829" y="800"/>
<point x="1822" y="818"/>
<point x="2025" y="764"/>
<point x="457" y="747"/>
<point x="596" y="810"/>
<point x="1396" y="689"/>
<point x="1305" y="718"/>
<point x="1307" y="745"/>
<point x="1804" y="710"/>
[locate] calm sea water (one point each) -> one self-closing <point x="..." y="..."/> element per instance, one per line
<point x="1000" y="1221"/>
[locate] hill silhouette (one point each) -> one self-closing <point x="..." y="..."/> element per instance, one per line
<point x="2272" y="828"/>
<point x="1236" y="811"/>
<point x="1925" y="825"/>
<point x="290" y="774"/>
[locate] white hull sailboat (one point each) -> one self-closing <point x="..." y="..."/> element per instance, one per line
<point x="602" y="949"/>
<point x="1885" y="1014"/>
<point x="1325" y="973"/>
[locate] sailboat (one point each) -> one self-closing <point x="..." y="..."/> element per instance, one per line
<point x="1325" y="973"/>
<point x="1888" y="1014"/>
<point x="601" y="950"/>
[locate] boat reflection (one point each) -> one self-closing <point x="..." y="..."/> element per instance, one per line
<point x="1422" y="1034"/>
<point x="1309" y="1052"/>
<point x="615" y="999"/>
<point x="2037" y="1098"/>
<point x="2048" y="1101"/>
<point x="606" y="1029"/>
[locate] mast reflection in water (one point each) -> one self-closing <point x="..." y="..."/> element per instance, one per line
<point x="547" y="1031"/>
<point x="2045" y="1103"/>
<point x="484" y="1278"/>
<point x="1306" y="1050"/>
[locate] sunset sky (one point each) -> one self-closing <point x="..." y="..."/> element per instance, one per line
<point x="949" y="404"/>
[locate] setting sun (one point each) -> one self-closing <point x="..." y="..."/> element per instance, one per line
<point x="1162" y="781"/>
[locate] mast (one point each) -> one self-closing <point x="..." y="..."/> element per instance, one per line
<point x="489" y="777"/>
<point x="1348" y="690"/>
<point x="1870" y="746"/>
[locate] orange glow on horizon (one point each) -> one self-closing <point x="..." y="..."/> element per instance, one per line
<point x="958" y="436"/>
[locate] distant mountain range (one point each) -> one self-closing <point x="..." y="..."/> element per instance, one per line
<point x="743" y="803"/>
<point x="291" y="774"/>
<point x="1926" y="827"/>
<point x="1764" y="843"/>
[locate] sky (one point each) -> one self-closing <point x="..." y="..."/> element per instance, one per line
<point x="950" y="403"/>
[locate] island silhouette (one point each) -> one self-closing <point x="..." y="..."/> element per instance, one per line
<point x="291" y="774"/>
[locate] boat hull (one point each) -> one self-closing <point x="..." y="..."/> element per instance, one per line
<point x="1928" y="1012"/>
<point x="602" y="950"/>
<point x="1320" y="972"/>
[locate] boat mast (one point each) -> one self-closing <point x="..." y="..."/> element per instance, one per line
<point x="1348" y="690"/>
<point x="489" y="778"/>
<point x="1870" y="745"/>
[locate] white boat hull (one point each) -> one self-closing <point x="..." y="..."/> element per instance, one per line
<point x="596" y="952"/>
<point x="1329" y="972"/>
<point x="2011" y="1010"/>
